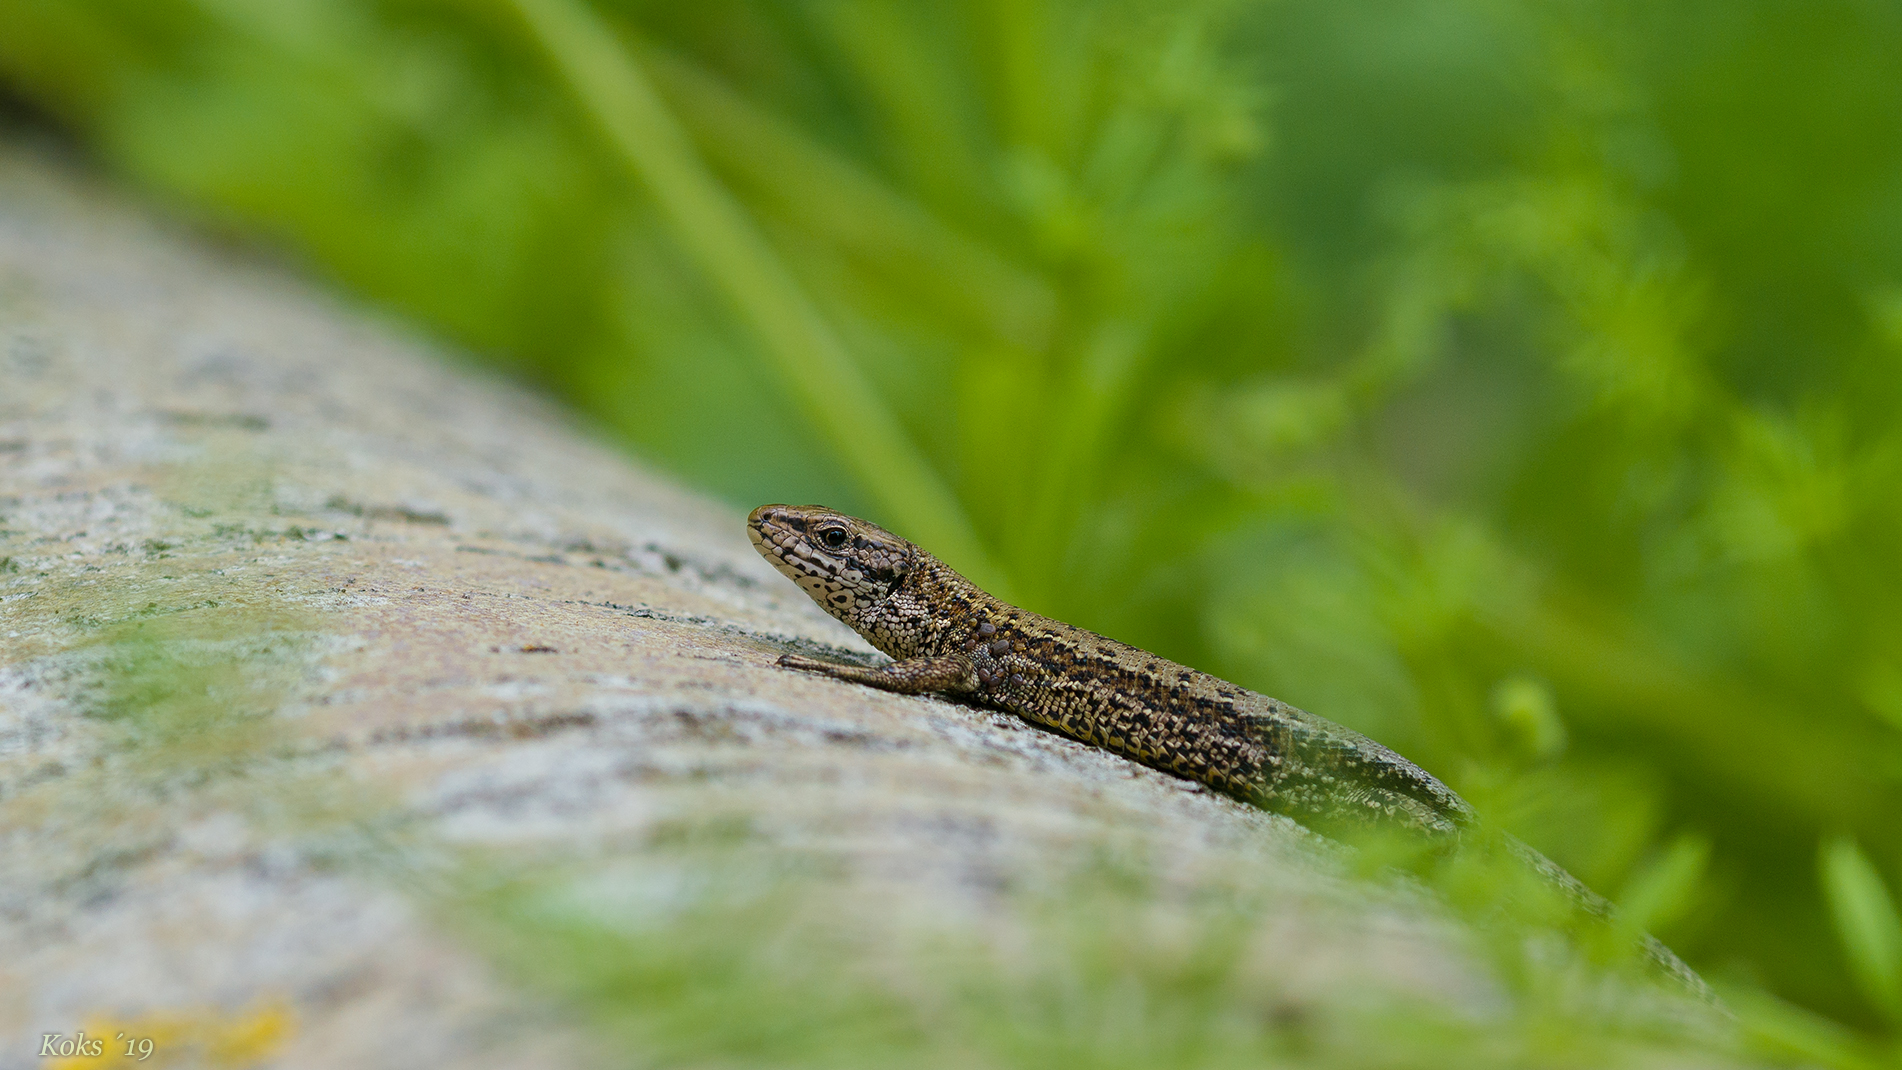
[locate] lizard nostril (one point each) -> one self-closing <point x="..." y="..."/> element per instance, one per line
<point x="768" y="515"/>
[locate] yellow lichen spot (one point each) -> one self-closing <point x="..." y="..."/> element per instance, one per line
<point x="210" y="1038"/>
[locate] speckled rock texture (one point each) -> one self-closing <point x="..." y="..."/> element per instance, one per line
<point x="438" y="618"/>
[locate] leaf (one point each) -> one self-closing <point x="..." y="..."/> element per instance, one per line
<point x="1866" y="922"/>
<point x="1662" y="892"/>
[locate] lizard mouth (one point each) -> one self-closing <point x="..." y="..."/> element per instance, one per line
<point x="780" y="537"/>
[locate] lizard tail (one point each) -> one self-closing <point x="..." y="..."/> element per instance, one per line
<point x="1659" y="957"/>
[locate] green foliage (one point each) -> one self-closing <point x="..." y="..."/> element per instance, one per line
<point x="1515" y="382"/>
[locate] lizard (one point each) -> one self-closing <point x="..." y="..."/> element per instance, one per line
<point x="947" y="635"/>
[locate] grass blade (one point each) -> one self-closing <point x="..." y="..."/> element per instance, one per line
<point x="905" y="245"/>
<point x="714" y="229"/>
<point x="1866" y="922"/>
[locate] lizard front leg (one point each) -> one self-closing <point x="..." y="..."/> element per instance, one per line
<point x="912" y="676"/>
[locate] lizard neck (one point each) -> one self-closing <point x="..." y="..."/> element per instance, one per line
<point x="930" y="606"/>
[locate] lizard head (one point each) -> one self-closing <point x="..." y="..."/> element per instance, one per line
<point x="847" y="565"/>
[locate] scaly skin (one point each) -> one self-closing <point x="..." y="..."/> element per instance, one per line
<point x="946" y="634"/>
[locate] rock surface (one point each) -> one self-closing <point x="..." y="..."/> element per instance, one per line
<point x="277" y="582"/>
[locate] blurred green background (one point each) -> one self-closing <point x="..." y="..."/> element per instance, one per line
<point x="1516" y="382"/>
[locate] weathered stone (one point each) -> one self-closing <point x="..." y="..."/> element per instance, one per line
<point x="436" y="618"/>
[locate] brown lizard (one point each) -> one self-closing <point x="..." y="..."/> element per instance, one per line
<point x="946" y="634"/>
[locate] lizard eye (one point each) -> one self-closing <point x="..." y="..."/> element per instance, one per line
<point x="834" y="538"/>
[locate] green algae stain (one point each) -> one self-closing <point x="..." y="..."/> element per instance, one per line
<point x="743" y="954"/>
<point x="178" y="702"/>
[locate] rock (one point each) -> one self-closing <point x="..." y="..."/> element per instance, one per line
<point x="302" y="624"/>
